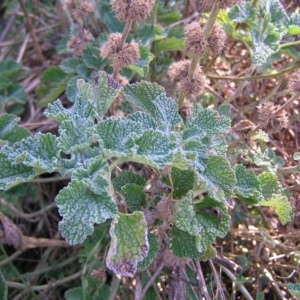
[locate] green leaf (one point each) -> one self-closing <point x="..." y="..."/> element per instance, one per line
<point x="282" y="207"/>
<point x="94" y="176"/>
<point x="9" y="68"/>
<point x="80" y="209"/>
<point x="91" y="54"/>
<point x="219" y="178"/>
<point x="153" y="250"/>
<point x="134" y="196"/>
<point x="101" y="93"/>
<point x="143" y="119"/>
<point x="129" y="243"/>
<point x="225" y="110"/>
<point x="3" y="287"/>
<point x="183" y="181"/>
<point x="152" y="98"/>
<point x="12" y="174"/>
<point x="115" y="136"/>
<point x="74" y="294"/>
<point x="169" y="44"/>
<point x="53" y="84"/>
<point x="39" y="152"/>
<point x="154" y="149"/>
<point x="183" y="244"/>
<point x="247" y="186"/>
<point x="128" y="177"/>
<point x="296" y="156"/>
<point x="205" y="122"/>
<point x="141" y="66"/>
<point x="148" y="33"/>
<point x="275" y="9"/>
<point x="14" y="93"/>
<point x="196" y="151"/>
<point x="69" y="65"/>
<point x="75" y="134"/>
<point x="294" y="289"/>
<point x="71" y="88"/>
<point x="293" y="23"/>
<point x="9" y="130"/>
<point x="242" y="13"/>
<point x="261" y="136"/>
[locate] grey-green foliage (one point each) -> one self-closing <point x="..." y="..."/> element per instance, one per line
<point x="191" y="153"/>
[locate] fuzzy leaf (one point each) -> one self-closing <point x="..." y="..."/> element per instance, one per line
<point x="183" y="181"/>
<point x="75" y="134"/>
<point x="275" y="9"/>
<point x="39" y="152"/>
<point x="153" y="250"/>
<point x="69" y="65"/>
<point x="152" y="98"/>
<point x="116" y="136"/>
<point x="219" y="178"/>
<point x="80" y="209"/>
<point x="282" y="207"/>
<point x="9" y="68"/>
<point x="12" y="174"/>
<point x="242" y="13"/>
<point x="205" y="122"/>
<point x="91" y="55"/>
<point x="128" y="177"/>
<point x="247" y="186"/>
<point x="294" y="289"/>
<point x="154" y="149"/>
<point x="169" y="44"/>
<point x="3" y="287"/>
<point x="10" y="131"/>
<point x="134" y="196"/>
<point x="143" y="119"/>
<point x="129" y="243"/>
<point x="141" y="66"/>
<point x="101" y="93"/>
<point x="294" y="24"/>
<point x="13" y="93"/>
<point x="183" y="244"/>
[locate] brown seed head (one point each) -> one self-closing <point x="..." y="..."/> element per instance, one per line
<point x="99" y="274"/>
<point x="195" y="85"/>
<point x="294" y="82"/>
<point x="216" y="40"/>
<point x="81" y="11"/>
<point x="126" y="57"/>
<point x="132" y="9"/>
<point x="179" y="70"/>
<point x="111" y="46"/>
<point x="195" y="40"/>
<point x="70" y="4"/>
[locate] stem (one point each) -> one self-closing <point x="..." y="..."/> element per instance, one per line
<point x="202" y="283"/>
<point x="290" y="101"/>
<point x="295" y="43"/>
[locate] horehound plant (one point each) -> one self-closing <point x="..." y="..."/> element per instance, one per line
<point x="162" y="182"/>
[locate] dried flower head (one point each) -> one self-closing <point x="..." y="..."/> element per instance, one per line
<point x="99" y="274"/>
<point x="77" y="43"/>
<point x="206" y="5"/>
<point x="132" y="9"/>
<point x="268" y="114"/>
<point x="82" y="11"/>
<point x="294" y="82"/>
<point x="126" y="56"/>
<point x="195" y="40"/>
<point x="216" y="40"/>
<point x="122" y="80"/>
<point x="179" y="70"/>
<point x="70" y="4"/>
<point x="111" y="46"/>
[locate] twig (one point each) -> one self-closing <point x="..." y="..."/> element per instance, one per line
<point x="217" y="279"/>
<point x="114" y="286"/>
<point x="286" y="104"/>
<point x="225" y="262"/>
<point x="203" y="288"/>
<point x="9" y="23"/>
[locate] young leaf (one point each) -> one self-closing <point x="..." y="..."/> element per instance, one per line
<point x="153" y="250"/>
<point x="294" y="24"/>
<point x="129" y="243"/>
<point x="80" y="209"/>
<point x="101" y="93"/>
<point x="12" y="174"/>
<point x="152" y="98"/>
<point x="134" y="196"/>
<point x="39" y="152"/>
<point x="128" y="177"/>
<point x="247" y="186"/>
<point x="205" y="122"/>
<point x="269" y="185"/>
<point x="183" y="244"/>
<point x="9" y="130"/>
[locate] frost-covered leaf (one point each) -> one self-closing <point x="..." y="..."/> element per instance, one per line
<point x="282" y="207"/>
<point x="128" y="177"/>
<point x="275" y="9"/>
<point x="39" y="152"/>
<point x="10" y="131"/>
<point x="293" y="23"/>
<point x="154" y="149"/>
<point x="116" y="136"/>
<point x="143" y="119"/>
<point x="69" y="65"/>
<point x="12" y="174"/>
<point x="152" y="98"/>
<point x="153" y="250"/>
<point x="129" y="243"/>
<point x="101" y="93"/>
<point x="3" y="287"/>
<point x="247" y="186"/>
<point x="205" y="122"/>
<point x="75" y="134"/>
<point x="183" y="244"/>
<point x="294" y="289"/>
<point x="196" y="151"/>
<point x="134" y="196"/>
<point x="242" y="13"/>
<point x="94" y="176"/>
<point x="219" y="178"/>
<point x="80" y="209"/>
<point x="183" y="181"/>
